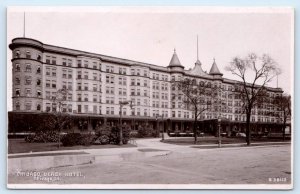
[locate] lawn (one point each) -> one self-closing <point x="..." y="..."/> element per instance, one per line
<point x="20" y="146"/>
<point x="214" y="140"/>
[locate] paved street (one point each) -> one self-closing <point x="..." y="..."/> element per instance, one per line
<point x="237" y="165"/>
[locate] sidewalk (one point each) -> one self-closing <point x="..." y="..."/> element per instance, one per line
<point x="145" y="148"/>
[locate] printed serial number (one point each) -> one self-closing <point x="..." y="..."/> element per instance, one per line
<point x="278" y="179"/>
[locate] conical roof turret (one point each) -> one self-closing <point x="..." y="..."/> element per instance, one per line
<point x="175" y="61"/>
<point x="214" y="70"/>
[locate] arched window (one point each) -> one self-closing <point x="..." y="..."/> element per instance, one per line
<point x="39" y="57"/>
<point x="38" y="107"/>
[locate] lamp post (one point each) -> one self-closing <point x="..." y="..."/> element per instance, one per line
<point x="123" y="103"/>
<point x="219" y="131"/>
<point x="156" y="119"/>
<point x="163" y="134"/>
<point x="157" y="126"/>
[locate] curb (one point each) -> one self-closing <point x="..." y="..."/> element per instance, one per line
<point x="17" y="165"/>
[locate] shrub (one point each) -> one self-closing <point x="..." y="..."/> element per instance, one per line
<point x="103" y="139"/>
<point x="133" y="134"/>
<point x="42" y="137"/>
<point x="147" y="131"/>
<point x="71" y="139"/>
<point x="142" y="132"/>
<point x="108" y="134"/>
<point x="86" y="139"/>
<point x="126" y="134"/>
<point x="114" y="136"/>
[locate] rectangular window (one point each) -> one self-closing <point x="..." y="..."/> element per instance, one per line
<point x="79" y="97"/>
<point x="86" y="86"/>
<point x="86" y="97"/>
<point x="70" y="62"/>
<point x="64" y="85"/>
<point x="48" y="59"/>
<point x="86" y="75"/>
<point x="69" y="107"/>
<point x="64" y="73"/>
<point x="47" y="83"/>
<point x="79" y="74"/>
<point x="86" y="64"/>
<point x="54" y="60"/>
<point x="17" y="92"/>
<point x="69" y="74"/>
<point x="28" y="68"/>
<point x="64" y="61"/>
<point x="28" y="55"/>
<point x="54" y="72"/>
<point x="28" y="106"/>
<point x="18" y="68"/>
<point x="70" y="97"/>
<point x="86" y="108"/>
<point x="78" y="63"/>
<point x="53" y="84"/>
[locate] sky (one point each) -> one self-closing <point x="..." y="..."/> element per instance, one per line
<point x="150" y="34"/>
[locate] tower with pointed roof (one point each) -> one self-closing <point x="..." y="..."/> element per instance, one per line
<point x="175" y="64"/>
<point x="214" y="70"/>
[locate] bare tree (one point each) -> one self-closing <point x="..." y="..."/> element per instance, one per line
<point x="197" y="97"/>
<point x="283" y="105"/>
<point x="59" y="117"/>
<point x="254" y="73"/>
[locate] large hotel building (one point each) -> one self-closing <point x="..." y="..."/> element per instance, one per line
<point x="97" y="83"/>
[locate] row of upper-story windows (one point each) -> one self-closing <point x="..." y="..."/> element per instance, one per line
<point x="27" y="81"/>
<point x="28" y="55"/>
<point x="69" y="62"/>
<point x="28" y="93"/>
<point x="158" y="76"/>
<point x="155" y="86"/>
<point x="67" y="73"/>
<point x="88" y="64"/>
<point x="53" y="107"/>
<point x="52" y="94"/>
<point x="139" y="82"/>
<point x="85" y="75"/>
<point x="86" y="87"/>
<point x="51" y="84"/>
<point x="139" y="72"/>
<point x="138" y="92"/>
<point x="28" y="106"/>
<point x="28" y="68"/>
<point x="86" y="98"/>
